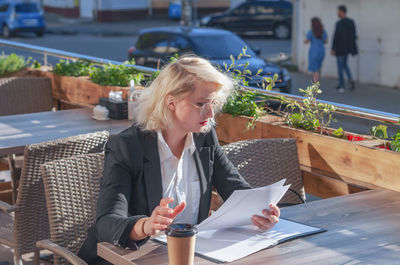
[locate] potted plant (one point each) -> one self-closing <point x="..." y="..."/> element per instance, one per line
<point x="332" y="161"/>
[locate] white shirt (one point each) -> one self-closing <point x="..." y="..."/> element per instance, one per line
<point x="180" y="179"/>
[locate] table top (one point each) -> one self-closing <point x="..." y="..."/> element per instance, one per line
<point x="362" y="228"/>
<point x="17" y="131"/>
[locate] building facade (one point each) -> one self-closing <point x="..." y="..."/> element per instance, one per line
<point x="378" y="39"/>
<point x="109" y="10"/>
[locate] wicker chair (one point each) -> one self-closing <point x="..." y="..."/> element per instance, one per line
<point x="20" y="95"/>
<point x="264" y="161"/>
<point x="25" y="95"/>
<point x="72" y="187"/>
<point x="28" y="221"/>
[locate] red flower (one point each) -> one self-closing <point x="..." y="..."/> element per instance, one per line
<point x="354" y="138"/>
<point x="384" y="147"/>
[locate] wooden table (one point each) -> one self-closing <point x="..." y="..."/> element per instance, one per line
<point x="363" y="228"/>
<point x="17" y="131"/>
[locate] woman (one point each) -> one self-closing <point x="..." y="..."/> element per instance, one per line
<point x="162" y="169"/>
<point x="318" y="37"/>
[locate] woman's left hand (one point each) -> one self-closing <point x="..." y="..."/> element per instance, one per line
<point x="269" y="219"/>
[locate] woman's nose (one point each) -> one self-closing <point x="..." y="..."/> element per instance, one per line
<point x="209" y="111"/>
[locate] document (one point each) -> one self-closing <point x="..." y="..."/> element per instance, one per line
<point x="242" y="204"/>
<point x="229" y="234"/>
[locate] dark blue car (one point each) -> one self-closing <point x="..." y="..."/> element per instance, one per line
<point x="255" y="17"/>
<point x="155" y="46"/>
<point x="16" y="16"/>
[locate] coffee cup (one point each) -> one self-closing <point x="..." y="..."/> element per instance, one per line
<point x="181" y="239"/>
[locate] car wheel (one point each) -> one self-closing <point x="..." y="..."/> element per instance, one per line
<point x="40" y="33"/>
<point x="282" y="31"/>
<point x="6" y="31"/>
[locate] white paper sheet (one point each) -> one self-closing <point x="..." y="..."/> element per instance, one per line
<point x="226" y="245"/>
<point x="243" y="204"/>
<point x="228" y="234"/>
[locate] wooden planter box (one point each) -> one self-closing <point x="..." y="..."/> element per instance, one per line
<point x="22" y="72"/>
<point x="331" y="166"/>
<point x="78" y="90"/>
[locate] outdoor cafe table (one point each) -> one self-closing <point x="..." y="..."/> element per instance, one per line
<point x="363" y="228"/>
<point x="17" y="131"/>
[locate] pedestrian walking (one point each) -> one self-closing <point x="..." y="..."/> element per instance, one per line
<point x="317" y="37"/>
<point x="344" y="43"/>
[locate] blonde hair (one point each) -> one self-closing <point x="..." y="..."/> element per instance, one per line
<point x="176" y="79"/>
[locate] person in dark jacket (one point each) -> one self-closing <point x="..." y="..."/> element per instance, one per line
<point x="163" y="168"/>
<point x="344" y="43"/>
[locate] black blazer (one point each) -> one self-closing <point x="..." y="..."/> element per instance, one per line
<point x="131" y="186"/>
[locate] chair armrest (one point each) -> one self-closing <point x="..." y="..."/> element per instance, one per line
<point x="60" y="251"/>
<point x="7" y="208"/>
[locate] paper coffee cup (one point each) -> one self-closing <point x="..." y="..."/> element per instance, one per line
<point x="181" y="239"/>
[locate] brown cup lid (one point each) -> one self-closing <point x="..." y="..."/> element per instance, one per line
<point x="181" y="230"/>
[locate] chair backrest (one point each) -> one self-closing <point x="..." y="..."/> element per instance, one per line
<point x="265" y="161"/>
<point x="25" y="95"/>
<point x="72" y="188"/>
<point x="31" y="220"/>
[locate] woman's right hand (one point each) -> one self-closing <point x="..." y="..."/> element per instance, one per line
<point x="162" y="216"/>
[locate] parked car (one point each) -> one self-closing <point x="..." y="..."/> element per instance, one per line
<point x="155" y="46"/>
<point x="18" y="16"/>
<point x="257" y="17"/>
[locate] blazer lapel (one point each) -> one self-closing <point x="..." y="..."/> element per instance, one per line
<point x="202" y="159"/>
<point x="152" y="171"/>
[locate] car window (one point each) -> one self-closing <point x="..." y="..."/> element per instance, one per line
<point x="26" y="8"/>
<point x="156" y="42"/>
<point x="220" y="46"/>
<point x="4" y="8"/>
<point x="179" y="44"/>
<point x="265" y="9"/>
<point x="245" y="10"/>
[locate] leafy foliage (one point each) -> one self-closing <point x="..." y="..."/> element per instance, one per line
<point x="12" y="63"/>
<point x="310" y="115"/>
<point x="379" y="131"/>
<point x="246" y="102"/>
<point x="36" y="64"/>
<point x="339" y="133"/>
<point x="72" y="68"/>
<point x="241" y="73"/>
<point x="115" y="75"/>
<point x="395" y="143"/>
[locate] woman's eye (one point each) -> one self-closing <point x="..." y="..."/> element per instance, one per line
<point x="198" y="104"/>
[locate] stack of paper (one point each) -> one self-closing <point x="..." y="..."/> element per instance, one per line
<point x="228" y="234"/>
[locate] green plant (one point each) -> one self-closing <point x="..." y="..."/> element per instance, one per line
<point x="115" y="75"/>
<point x="12" y="63"/>
<point x="379" y="131"/>
<point x="242" y="101"/>
<point x="395" y="143"/>
<point x="36" y="64"/>
<point x="309" y="115"/>
<point x="242" y="74"/>
<point x="72" y="68"/>
<point x="339" y="133"/>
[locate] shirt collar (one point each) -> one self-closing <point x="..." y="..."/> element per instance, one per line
<point x="164" y="150"/>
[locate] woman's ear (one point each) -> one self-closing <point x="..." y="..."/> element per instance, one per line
<point x="170" y="101"/>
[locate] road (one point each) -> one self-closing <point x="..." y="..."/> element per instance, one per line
<point x="116" y="47"/>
